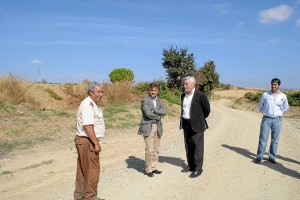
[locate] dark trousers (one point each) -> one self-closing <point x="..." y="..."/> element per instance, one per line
<point x="194" y="147"/>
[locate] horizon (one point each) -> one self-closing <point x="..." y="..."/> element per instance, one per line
<point x="69" y="41"/>
<point x="235" y="87"/>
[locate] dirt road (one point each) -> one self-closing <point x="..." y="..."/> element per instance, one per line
<point x="48" y="172"/>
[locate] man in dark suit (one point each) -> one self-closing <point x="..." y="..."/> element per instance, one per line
<point x="195" y="108"/>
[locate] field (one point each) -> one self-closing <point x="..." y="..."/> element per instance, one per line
<point x="38" y="158"/>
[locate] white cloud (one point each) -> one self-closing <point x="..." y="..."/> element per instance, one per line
<point x="298" y="22"/>
<point x="222" y="9"/>
<point x="276" y="14"/>
<point x="240" y="23"/>
<point x="37" y="62"/>
<point x="274" y="40"/>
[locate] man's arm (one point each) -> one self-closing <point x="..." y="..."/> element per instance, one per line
<point x="261" y="102"/>
<point x="285" y="105"/>
<point x="147" y="112"/>
<point x="205" y="105"/>
<point x="162" y="110"/>
<point x="89" y="129"/>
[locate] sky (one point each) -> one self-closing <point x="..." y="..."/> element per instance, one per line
<point x="67" y="41"/>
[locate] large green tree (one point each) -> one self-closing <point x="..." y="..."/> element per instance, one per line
<point x="121" y="74"/>
<point x="178" y="64"/>
<point x="207" y="78"/>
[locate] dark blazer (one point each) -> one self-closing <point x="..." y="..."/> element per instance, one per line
<point x="151" y="115"/>
<point x="199" y="111"/>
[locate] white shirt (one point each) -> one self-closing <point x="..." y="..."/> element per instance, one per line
<point x="90" y="114"/>
<point x="187" y="101"/>
<point x="273" y="106"/>
<point x="154" y="101"/>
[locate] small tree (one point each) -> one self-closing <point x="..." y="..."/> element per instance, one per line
<point x="121" y="74"/>
<point x="207" y="78"/>
<point x="178" y="64"/>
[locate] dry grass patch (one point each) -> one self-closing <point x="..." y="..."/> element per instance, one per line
<point x="15" y="93"/>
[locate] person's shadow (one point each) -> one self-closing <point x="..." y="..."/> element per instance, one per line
<point x="278" y="167"/>
<point x="139" y="164"/>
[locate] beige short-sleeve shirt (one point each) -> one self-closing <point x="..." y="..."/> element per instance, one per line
<point x="90" y="114"/>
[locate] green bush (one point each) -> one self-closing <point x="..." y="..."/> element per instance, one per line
<point x="171" y="95"/>
<point x="141" y="88"/>
<point x="223" y="86"/>
<point x="121" y="74"/>
<point x="253" y="96"/>
<point x="293" y="98"/>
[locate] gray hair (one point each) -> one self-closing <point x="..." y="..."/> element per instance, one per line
<point x="191" y="79"/>
<point x="92" y="87"/>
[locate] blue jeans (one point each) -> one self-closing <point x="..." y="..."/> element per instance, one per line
<point x="267" y="124"/>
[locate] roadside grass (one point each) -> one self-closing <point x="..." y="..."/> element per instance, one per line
<point x="36" y="128"/>
<point x="7" y="146"/>
<point x="14" y="92"/>
<point x="25" y="125"/>
<point x="53" y="94"/>
<point x="120" y="117"/>
<point x="5" y="173"/>
<point x="75" y="93"/>
<point x="47" y="162"/>
<point x="62" y="113"/>
<point x="118" y="94"/>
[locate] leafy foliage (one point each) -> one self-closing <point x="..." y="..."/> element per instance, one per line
<point x="253" y="96"/>
<point x="293" y="97"/>
<point x="178" y="64"/>
<point x="141" y="88"/>
<point x="171" y="95"/>
<point x="207" y="78"/>
<point x="121" y="74"/>
<point x="224" y="86"/>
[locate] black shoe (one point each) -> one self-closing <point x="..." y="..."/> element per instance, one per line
<point x="150" y="174"/>
<point x="187" y="169"/>
<point x="156" y="172"/>
<point x="257" y="160"/>
<point x="195" y="174"/>
<point x="272" y="161"/>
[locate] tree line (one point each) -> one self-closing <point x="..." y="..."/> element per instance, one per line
<point x="178" y="64"/>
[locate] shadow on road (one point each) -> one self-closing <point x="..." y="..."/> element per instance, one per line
<point x="139" y="164"/>
<point x="135" y="163"/>
<point x="278" y="167"/>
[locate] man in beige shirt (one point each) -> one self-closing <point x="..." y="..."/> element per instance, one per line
<point x="90" y="129"/>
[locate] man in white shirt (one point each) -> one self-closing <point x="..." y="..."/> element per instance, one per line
<point x="272" y="104"/>
<point x="90" y="129"/>
<point x="195" y="108"/>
